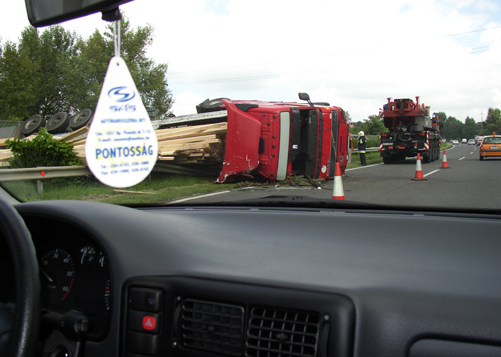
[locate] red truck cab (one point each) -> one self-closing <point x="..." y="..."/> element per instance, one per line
<point x="277" y="139"/>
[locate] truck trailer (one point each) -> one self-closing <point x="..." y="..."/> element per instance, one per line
<point x="411" y="131"/>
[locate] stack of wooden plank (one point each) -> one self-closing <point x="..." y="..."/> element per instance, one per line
<point x="77" y="138"/>
<point x="189" y="145"/>
<point x="200" y="144"/>
<point x="5" y="154"/>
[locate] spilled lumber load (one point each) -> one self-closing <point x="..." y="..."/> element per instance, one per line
<point x="189" y="145"/>
<point x="182" y="150"/>
<point x="5" y="155"/>
<point x="200" y="144"/>
<point x="77" y="138"/>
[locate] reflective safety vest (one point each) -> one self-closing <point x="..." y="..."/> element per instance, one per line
<point x="361" y="145"/>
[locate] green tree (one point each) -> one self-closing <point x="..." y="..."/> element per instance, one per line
<point x="453" y="128"/>
<point x="95" y="54"/>
<point x="18" y="83"/>
<point x="470" y="128"/>
<point x="56" y="70"/>
<point x="493" y="121"/>
<point x="355" y="127"/>
<point x="89" y="70"/>
<point x="53" y="51"/>
<point x="374" y="125"/>
<point x="442" y="116"/>
<point x="371" y="126"/>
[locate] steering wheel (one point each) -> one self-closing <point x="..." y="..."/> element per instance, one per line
<point x="24" y="324"/>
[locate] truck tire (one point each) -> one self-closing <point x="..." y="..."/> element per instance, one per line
<point x="81" y="119"/>
<point x="209" y="105"/>
<point x="32" y="125"/>
<point x="58" y="123"/>
<point x="387" y="160"/>
<point x="426" y="157"/>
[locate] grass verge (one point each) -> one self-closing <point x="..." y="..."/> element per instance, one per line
<point x="150" y="191"/>
<point x="370" y="157"/>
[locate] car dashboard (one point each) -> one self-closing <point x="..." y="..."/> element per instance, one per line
<point x="248" y="281"/>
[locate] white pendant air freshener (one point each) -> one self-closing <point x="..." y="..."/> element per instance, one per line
<point x="121" y="147"/>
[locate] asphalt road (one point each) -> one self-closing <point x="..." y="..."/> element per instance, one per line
<point x="468" y="183"/>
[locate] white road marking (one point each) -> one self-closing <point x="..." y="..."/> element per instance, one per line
<point x="363" y="167"/>
<point x="432" y="172"/>
<point x="461" y="158"/>
<point x="197" y="197"/>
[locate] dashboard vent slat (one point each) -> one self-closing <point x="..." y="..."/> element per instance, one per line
<point x="281" y="333"/>
<point x="212" y="327"/>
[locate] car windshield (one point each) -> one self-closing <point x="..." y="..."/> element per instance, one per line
<point x="276" y="103"/>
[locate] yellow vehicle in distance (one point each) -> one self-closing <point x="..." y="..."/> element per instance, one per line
<point x="490" y="146"/>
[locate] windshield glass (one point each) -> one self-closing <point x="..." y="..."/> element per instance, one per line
<point x="271" y="101"/>
<point x="492" y="140"/>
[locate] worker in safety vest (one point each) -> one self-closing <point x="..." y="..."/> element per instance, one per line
<point x="362" y="146"/>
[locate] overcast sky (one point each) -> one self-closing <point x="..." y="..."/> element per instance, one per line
<point x="353" y="54"/>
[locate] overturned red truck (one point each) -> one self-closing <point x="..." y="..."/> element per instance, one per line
<point x="276" y="140"/>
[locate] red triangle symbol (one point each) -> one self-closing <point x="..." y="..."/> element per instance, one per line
<point x="149" y="323"/>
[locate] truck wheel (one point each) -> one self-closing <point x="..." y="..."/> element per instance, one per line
<point x="81" y="119"/>
<point x="481" y="158"/>
<point x="386" y="160"/>
<point x="426" y="157"/>
<point x="58" y="123"/>
<point x="32" y="125"/>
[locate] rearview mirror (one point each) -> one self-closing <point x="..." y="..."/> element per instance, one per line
<point x="50" y="12"/>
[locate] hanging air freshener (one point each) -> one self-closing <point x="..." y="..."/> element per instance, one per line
<point x="121" y="147"/>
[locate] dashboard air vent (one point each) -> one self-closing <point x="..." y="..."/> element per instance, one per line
<point x="282" y="333"/>
<point x="212" y="327"/>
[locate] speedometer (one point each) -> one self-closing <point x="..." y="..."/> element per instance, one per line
<point x="58" y="273"/>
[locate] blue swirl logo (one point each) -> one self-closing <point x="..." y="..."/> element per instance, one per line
<point x="121" y="94"/>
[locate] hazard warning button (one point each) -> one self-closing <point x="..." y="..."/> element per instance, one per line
<point x="149" y="323"/>
<point x="138" y="321"/>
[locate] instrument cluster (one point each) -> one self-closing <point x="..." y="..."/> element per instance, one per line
<point x="74" y="274"/>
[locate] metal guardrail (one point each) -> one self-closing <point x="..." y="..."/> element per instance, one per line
<point x="43" y="173"/>
<point x="366" y="150"/>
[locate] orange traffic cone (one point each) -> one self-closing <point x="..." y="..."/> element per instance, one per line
<point x="419" y="171"/>
<point x="445" y="164"/>
<point x="337" y="190"/>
